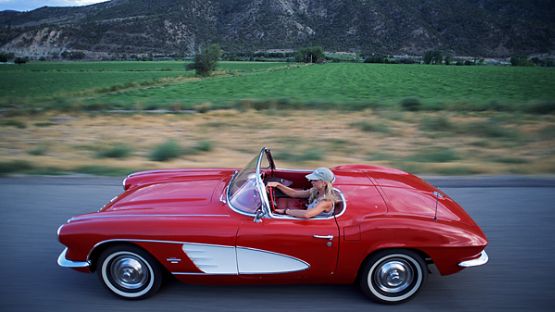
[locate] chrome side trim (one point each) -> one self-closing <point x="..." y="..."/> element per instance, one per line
<point x="148" y="216"/>
<point x="65" y="263"/>
<point x="483" y="259"/>
<point x="258" y="261"/>
<point x="197" y="273"/>
<point x="212" y="259"/>
<point x="216" y="259"/>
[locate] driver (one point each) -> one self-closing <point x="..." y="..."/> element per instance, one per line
<point x="321" y="197"/>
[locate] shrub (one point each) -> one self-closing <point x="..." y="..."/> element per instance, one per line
<point x="490" y="129"/>
<point x="200" y="147"/>
<point x="434" y="155"/>
<point x="306" y="155"/>
<point x="411" y="104"/>
<point x="541" y="108"/>
<point x="13" y="123"/>
<point x="38" y="150"/>
<point x="440" y="123"/>
<point x="117" y="151"/>
<point x="166" y="151"/>
<point x="370" y="127"/>
<point x="14" y="166"/>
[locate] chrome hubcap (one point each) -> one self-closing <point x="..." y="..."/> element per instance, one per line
<point x="394" y="276"/>
<point x="129" y="272"/>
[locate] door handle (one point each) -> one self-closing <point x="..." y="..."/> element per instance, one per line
<point x="328" y="237"/>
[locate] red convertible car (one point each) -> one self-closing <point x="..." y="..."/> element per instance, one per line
<point x="218" y="226"/>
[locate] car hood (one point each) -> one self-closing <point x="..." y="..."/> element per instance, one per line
<point x="197" y="191"/>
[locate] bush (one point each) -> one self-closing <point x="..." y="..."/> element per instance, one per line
<point x="370" y="127"/>
<point x="440" y="123"/>
<point x="541" y="108"/>
<point x="38" y="150"/>
<point x="14" y="166"/>
<point x="118" y="151"/>
<point x="13" y="123"/>
<point x="411" y="104"/>
<point x="166" y="151"/>
<point x="434" y="155"/>
<point x="307" y="155"/>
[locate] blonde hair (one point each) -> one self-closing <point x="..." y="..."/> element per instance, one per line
<point x="329" y="194"/>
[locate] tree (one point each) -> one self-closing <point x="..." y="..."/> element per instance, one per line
<point x="5" y="57"/>
<point x="20" y="60"/>
<point x="310" y="55"/>
<point x="433" y="57"/>
<point x="206" y="61"/>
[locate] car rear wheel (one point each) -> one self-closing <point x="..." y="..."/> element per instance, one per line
<point x="393" y="276"/>
<point x="129" y="272"/>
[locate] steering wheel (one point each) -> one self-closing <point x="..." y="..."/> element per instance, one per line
<point x="272" y="197"/>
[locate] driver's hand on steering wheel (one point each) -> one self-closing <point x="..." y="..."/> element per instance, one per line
<point x="273" y="184"/>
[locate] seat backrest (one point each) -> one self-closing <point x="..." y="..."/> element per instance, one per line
<point x="339" y="205"/>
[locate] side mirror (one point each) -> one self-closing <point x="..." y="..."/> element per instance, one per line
<point x="258" y="216"/>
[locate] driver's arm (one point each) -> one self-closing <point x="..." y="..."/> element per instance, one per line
<point x="324" y="205"/>
<point x="289" y="191"/>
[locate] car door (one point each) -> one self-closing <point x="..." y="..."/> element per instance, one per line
<point x="286" y="248"/>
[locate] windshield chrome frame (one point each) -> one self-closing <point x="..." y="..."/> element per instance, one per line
<point x="265" y="203"/>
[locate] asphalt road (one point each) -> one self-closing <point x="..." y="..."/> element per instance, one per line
<point x="517" y="214"/>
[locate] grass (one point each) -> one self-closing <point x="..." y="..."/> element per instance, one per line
<point x="127" y="85"/>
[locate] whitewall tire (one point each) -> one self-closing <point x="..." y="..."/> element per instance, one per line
<point x="129" y="272"/>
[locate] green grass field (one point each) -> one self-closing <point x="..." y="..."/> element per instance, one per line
<point x="124" y="85"/>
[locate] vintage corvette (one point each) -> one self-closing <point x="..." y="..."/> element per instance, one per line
<point x="218" y="226"/>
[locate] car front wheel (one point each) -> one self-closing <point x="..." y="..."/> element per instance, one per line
<point x="393" y="276"/>
<point x="129" y="272"/>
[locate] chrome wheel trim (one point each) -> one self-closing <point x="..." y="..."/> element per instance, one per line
<point x="128" y="272"/>
<point x="125" y="270"/>
<point x="394" y="274"/>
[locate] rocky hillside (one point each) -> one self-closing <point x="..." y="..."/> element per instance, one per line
<point x="178" y="27"/>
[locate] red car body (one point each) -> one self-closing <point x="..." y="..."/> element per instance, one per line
<point x="173" y="216"/>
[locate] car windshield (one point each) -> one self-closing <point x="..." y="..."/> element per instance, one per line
<point x="243" y="193"/>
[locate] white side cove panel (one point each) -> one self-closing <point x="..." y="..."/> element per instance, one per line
<point x="219" y="259"/>
<point x="212" y="259"/>
<point x="256" y="261"/>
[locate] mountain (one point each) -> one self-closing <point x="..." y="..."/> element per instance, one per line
<point x="180" y="27"/>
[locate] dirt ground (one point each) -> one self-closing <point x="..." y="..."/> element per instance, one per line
<point x="419" y="142"/>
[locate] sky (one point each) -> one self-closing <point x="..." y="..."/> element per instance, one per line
<point x="28" y="5"/>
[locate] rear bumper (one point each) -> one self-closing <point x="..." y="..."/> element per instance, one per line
<point x="483" y="259"/>
<point x="64" y="262"/>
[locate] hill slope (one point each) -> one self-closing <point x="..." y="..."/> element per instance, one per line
<point x="177" y="27"/>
